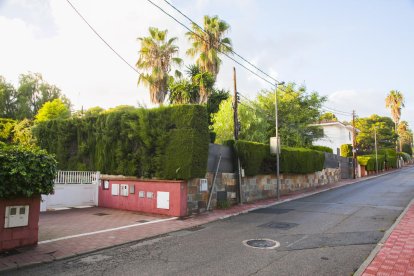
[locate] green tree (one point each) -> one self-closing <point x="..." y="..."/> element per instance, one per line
<point x="209" y="43"/>
<point x="384" y="127"/>
<point x="7" y="99"/>
<point x="22" y="134"/>
<point x="55" y="109"/>
<point x="156" y="57"/>
<point x="328" y="117"/>
<point x="297" y="110"/>
<point x="32" y="93"/>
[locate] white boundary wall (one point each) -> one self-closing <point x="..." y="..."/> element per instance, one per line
<point x="71" y="195"/>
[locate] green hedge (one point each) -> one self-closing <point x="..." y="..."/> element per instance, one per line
<point x="369" y="162"/>
<point x="407" y="149"/>
<point x="405" y="156"/>
<point x="391" y="159"/>
<point x="6" y="129"/>
<point x="25" y="172"/>
<point x="166" y="142"/>
<point x="256" y="159"/>
<point x="322" y="148"/>
<point x="346" y="150"/>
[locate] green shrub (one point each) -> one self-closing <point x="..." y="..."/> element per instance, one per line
<point x="369" y="162"/>
<point x="256" y="159"/>
<point x="6" y="129"/>
<point x="322" y="148"/>
<point x="25" y="172"/>
<point x="166" y="142"/>
<point x="405" y="156"/>
<point x="407" y="149"/>
<point x="391" y="159"/>
<point x="346" y="150"/>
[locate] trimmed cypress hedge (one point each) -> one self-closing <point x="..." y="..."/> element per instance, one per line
<point x="322" y="148"/>
<point x="166" y="142"/>
<point x="391" y="159"/>
<point x="25" y="172"/>
<point x="256" y="159"/>
<point x="369" y="161"/>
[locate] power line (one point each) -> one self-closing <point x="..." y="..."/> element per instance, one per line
<point x="103" y="40"/>
<point x="186" y="27"/>
<point x="231" y="50"/>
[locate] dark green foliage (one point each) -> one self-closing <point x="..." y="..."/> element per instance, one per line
<point x="223" y="204"/>
<point x="346" y="150"/>
<point x="405" y="156"/>
<point x="369" y="161"/>
<point x="256" y="159"/>
<point x="25" y="172"/>
<point x="391" y="159"/>
<point x="407" y="149"/>
<point x="322" y="148"/>
<point x="166" y="142"/>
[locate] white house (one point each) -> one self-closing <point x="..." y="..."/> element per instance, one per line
<point x="335" y="134"/>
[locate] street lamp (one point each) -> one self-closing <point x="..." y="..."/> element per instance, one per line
<point x="277" y="144"/>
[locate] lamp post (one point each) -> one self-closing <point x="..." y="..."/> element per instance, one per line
<point x="277" y="145"/>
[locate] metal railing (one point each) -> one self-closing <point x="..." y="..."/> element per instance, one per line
<point x="76" y="177"/>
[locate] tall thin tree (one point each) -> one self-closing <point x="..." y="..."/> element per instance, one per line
<point x="156" y="56"/>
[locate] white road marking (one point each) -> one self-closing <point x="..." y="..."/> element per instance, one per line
<point x="105" y="230"/>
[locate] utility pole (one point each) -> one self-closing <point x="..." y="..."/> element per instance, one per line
<point x="277" y="144"/>
<point x="236" y="132"/>
<point x="354" y="156"/>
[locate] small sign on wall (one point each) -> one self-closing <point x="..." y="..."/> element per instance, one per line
<point x="124" y="190"/>
<point x="132" y="189"/>
<point x="203" y="185"/>
<point x="106" y="185"/>
<point x="16" y="216"/>
<point x="150" y="195"/>
<point x="115" y="189"/>
<point x="141" y="194"/>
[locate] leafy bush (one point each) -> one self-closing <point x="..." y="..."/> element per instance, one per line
<point x="391" y="159"/>
<point x="6" y="129"/>
<point x="165" y="142"/>
<point x="256" y="159"/>
<point x="25" y="172"/>
<point x="369" y="162"/>
<point x="405" y="156"/>
<point x="407" y="149"/>
<point x="346" y="150"/>
<point x="322" y="148"/>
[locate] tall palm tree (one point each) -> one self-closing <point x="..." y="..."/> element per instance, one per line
<point x="156" y="57"/>
<point x="209" y="43"/>
<point x="395" y="101"/>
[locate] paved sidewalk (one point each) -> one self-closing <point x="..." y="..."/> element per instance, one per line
<point x="396" y="255"/>
<point x="73" y="245"/>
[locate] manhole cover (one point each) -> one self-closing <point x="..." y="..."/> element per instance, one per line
<point x="101" y="214"/>
<point x="279" y="225"/>
<point x="262" y="243"/>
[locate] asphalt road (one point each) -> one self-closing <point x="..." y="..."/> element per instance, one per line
<point x="330" y="233"/>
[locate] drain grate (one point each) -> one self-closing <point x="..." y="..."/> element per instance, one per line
<point x="262" y="243"/>
<point x="101" y="214"/>
<point x="271" y="211"/>
<point x="279" y="225"/>
<point x="142" y="221"/>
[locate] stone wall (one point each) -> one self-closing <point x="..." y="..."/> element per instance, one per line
<point x="254" y="188"/>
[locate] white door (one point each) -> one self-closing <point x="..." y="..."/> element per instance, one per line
<point x="163" y="200"/>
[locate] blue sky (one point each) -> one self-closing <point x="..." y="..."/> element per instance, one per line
<point x="354" y="52"/>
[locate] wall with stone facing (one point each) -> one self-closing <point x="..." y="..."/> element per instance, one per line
<point x="254" y="188"/>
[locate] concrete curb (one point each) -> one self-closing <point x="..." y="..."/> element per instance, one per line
<point x="299" y="196"/>
<point x="381" y="243"/>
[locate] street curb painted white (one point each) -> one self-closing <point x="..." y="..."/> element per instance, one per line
<point x="106" y="230"/>
<point x="381" y="243"/>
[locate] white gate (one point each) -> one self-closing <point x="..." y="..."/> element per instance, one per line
<point x="72" y="189"/>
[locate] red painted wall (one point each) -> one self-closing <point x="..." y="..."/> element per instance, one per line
<point x="20" y="236"/>
<point x="132" y="202"/>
